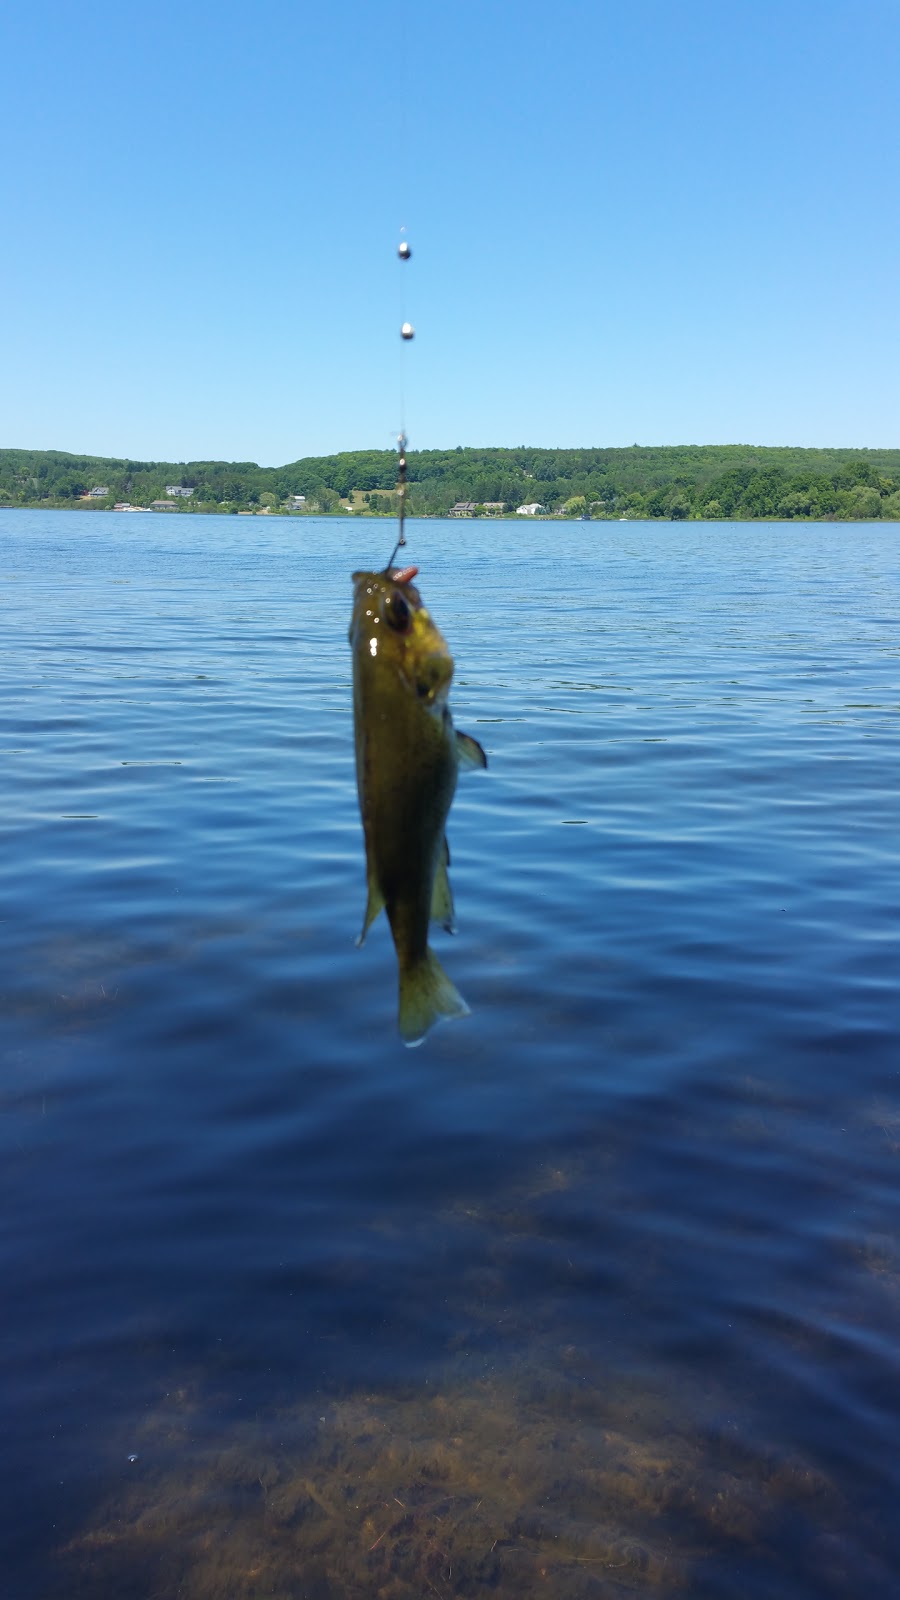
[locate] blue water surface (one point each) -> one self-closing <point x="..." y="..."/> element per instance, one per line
<point x="598" y="1292"/>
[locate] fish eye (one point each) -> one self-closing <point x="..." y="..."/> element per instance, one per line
<point x="397" y="613"/>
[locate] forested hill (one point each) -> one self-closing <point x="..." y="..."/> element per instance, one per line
<point x="673" y="481"/>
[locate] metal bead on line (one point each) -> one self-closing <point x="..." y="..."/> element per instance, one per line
<point x="407" y="331"/>
<point x="404" y="251"/>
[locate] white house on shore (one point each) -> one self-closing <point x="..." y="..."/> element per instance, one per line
<point x="532" y="510"/>
<point x="177" y="488"/>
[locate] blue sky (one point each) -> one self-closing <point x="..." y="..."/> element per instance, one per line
<point x="646" y="223"/>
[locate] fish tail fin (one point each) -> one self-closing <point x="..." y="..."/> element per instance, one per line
<point x="426" y="996"/>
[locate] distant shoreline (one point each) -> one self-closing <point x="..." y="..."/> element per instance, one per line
<point x="433" y="516"/>
<point x="696" y="483"/>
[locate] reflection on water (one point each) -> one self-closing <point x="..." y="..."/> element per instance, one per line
<point x="595" y="1295"/>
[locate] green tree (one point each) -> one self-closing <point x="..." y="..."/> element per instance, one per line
<point x="862" y="502"/>
<point x="796" y="504"/>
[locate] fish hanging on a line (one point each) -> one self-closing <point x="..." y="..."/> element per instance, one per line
<point x="408" y="755"/>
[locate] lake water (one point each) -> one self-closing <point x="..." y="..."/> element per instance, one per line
<point x="598" y="1292"/>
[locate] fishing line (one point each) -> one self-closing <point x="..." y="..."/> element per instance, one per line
<point x="407" y="331"/>
<point x="407" y="334"/>
<point x="404" y="254"/>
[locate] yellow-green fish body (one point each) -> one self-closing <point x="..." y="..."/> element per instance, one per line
<point x="407" y="758"/>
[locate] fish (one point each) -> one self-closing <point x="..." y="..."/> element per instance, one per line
<point x="408" y="755"/>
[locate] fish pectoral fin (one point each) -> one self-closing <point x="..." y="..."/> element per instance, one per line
<point x="374" y="904"/>
<point x="469" y="751"/>
<point x="426" y="997"/>
<point x="442" y="895"/>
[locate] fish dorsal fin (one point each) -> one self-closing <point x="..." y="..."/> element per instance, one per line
<point x="442" y="895"/>
<point x="469" y="751"/>
<point x="374" y="904"/>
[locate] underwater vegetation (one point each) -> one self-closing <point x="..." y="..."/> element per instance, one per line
<point x="531" y="1462"/>
<point x="538" y="1483"/>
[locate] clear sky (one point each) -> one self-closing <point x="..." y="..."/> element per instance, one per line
<point x="632" y="222"/>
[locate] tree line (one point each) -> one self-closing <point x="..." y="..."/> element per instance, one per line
<point x="711" y="482"/>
